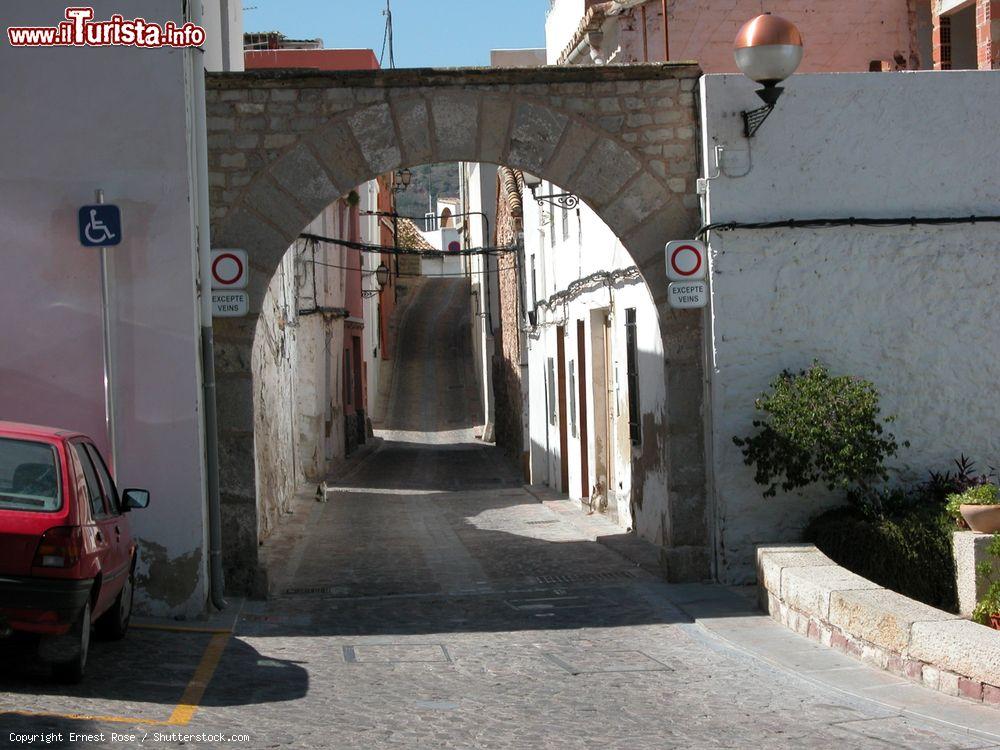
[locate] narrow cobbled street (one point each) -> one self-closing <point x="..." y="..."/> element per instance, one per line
<point x="434" y="602"/>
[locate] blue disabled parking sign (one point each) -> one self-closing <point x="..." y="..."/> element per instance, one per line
<point x="100" y="225"/>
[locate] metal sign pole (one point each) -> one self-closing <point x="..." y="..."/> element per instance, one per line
<point x="109" y="352"/>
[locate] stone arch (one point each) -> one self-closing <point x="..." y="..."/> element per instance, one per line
<point x="284" y="144"/>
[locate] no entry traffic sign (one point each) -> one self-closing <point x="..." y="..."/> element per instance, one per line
<point x="229" y="269"/>
<point x="686" y="260"/>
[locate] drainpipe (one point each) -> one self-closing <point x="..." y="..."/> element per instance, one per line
<point x="666" y="34"/>
<point x="216" y="582"/>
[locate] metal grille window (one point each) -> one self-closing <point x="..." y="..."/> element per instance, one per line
<point x="552" y="391"/>
<point x="632" y="365"/>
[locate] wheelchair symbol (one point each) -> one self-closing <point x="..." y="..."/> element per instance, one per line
<point x="100" y="225"/>
<point x="96" y="231"/>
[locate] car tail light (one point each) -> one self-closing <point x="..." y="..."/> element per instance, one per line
<point x="60" y="547"/>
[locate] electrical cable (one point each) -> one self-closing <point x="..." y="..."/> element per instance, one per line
<point x="411" y="275"/>
<point x="851" y="221"/>
<point x="386" y="250"/>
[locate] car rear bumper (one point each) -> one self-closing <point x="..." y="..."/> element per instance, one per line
<point x="41" y="605"/>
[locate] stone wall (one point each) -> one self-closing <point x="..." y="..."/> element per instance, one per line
<point x="807" y="592"/>
<point x="284" y="144"/>
<point x="507" y="378"/>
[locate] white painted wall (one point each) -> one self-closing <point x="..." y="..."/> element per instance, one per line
<point x="479" y="188"/>
<point x="561" y="24"/>
<point x="111" y="118"/>
<point x="223" y="20"/>
<point x="376" y="383"/>
<point x="911" y="308"/>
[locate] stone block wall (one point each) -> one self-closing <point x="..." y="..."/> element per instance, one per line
<point x="807" y="592"/>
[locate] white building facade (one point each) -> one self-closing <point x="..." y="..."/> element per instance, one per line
<point x="595" y="363"/>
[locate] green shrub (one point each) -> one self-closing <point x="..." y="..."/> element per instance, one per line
<point x="818" y="428"/>
<point x="989" y="605"/>
<point x="983" y="494"/>
<point x="910" y="554"/>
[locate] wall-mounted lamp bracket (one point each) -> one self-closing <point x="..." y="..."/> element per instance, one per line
<point x="562" y="200"/>
<point x="754" y="118"/>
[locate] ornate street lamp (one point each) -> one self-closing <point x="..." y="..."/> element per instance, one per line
<point x="381" y="275"/>
<point x="768" y="50"/>
<point x="562" y="200"/>
<point x="401" y="180"/>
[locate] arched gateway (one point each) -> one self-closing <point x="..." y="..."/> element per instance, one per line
<point x="284" y="144"/>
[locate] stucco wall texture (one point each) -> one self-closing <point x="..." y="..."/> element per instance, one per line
<point x="52" y="365"/>
<point x="912" y="309"/>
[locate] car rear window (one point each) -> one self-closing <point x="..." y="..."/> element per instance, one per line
<point x="29" y="476"/>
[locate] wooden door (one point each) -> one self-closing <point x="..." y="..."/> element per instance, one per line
<point x="581" y="357"/>
<point x="563" y="416"/>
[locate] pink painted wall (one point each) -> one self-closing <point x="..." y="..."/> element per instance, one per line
<point x="840" y="35"/>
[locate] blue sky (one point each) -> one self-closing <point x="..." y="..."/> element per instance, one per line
<point x="427" y="32"/>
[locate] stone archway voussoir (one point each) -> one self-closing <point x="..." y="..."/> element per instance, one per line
<point x="536" y="134"/>
<point x="374" y="129"/>
<point x="299" y="173"/>
<point x="340" y="156"/>
<point x="603" y="173"/>
<point x="456" y="126"/>
<point x="414" y="127"/>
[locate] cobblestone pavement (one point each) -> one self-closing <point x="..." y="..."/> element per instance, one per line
<point x="434" y="602"/>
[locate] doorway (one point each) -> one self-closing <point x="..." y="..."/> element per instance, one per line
<point x="600" y="345"/>
<point x="563" y="436"/>
<point x="581" y="357"/>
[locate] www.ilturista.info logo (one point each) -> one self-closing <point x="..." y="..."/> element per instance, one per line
<point x="80" y="30"/>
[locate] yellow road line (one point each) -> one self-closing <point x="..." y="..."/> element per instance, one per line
<point x="180" y="629"/>
<point x="182" y="714"/>
<point x="195" y="690"/>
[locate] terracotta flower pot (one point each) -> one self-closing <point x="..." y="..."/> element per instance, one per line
<point x="995" y="622"/>
<point x="982" y="518"/>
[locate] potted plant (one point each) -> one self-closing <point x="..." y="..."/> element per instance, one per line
<point x="987" y="611"/>
<point x="978" y="506"/>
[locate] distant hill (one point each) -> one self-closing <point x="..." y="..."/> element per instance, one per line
<point x="429" y="181"/>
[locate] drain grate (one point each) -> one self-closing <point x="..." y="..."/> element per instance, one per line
<point x="614" y="575"/>
<point x="313" y="590"/>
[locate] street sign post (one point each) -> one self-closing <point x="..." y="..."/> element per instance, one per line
<point x="230" y="304"/>
<point x="686" y="260"/>
<point x="229" y="269"/>
<point x="100" y="225"/>
<point x="687" y="295"/>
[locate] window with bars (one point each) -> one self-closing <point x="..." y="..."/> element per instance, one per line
<point x="632" y="369"/>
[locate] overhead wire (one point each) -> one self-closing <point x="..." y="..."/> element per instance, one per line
<point x="850" y="221"/>
<point x="365" y="247"/>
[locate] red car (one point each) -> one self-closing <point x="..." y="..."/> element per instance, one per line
<point x="67" y="557"/>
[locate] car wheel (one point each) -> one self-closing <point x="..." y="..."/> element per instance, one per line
<point x="72" y="670"/>
<point x="113" y="624"/>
